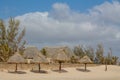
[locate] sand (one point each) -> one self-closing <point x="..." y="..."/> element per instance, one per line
<point x="76" y="73"/>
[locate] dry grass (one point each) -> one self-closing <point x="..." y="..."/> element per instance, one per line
<point x="43" y="66"/>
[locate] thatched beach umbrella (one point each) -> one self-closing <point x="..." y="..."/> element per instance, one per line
<point x="85" y="60"/>
<point x="39" y="59"/>
<point x="61" y="57"/>
<point x="16" y="59"/>
<point x="30" y="53"/>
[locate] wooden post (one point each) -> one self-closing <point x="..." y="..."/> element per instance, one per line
<point x="39" y="67"/>
<point x="106" y="66"/>
<point x="85" y="66"/>
<point x="21" y="65"/>
<point x="60" y="66"/>
<point x="16" y="68"/>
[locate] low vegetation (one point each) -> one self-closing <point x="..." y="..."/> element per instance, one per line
<point x="97" y="56"/>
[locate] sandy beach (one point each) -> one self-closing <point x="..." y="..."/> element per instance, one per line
<point x="74" y="73"/>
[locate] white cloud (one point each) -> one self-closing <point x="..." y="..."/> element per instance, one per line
<point x="108" y="12"/>
<point x="64" y="26"/>
<point x="118" y="35"/>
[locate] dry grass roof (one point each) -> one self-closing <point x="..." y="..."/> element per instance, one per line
<point x="30" y="52"/>
<point x="16" y="58"/>
<point x="85" y="59"/>
<point x="61" y="56"/>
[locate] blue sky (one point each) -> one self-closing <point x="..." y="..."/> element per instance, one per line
<point x="67" y="22"/>
<point x="12" y="8"/>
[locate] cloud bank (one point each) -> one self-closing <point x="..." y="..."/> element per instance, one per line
<point x="64" y="26"/>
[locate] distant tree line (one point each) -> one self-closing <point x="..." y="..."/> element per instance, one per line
<point x="10" y="38"/>
<point x="97" y="56"/>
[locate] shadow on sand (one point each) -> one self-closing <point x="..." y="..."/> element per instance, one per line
<point x="17" y="72"/>
<point x="41" y="71"/>
<point x="60" y="71"/>
<point x="83" y="70"/>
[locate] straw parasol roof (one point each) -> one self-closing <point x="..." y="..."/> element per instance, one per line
<point x="85" y="59"/>
<point x="39" y="59"/>
<point x="61" y="56"/>
<point x="16" y="58"/>
<point x="30" y="52"/>
<point x="51" y="51"/>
